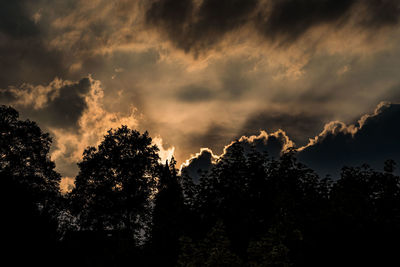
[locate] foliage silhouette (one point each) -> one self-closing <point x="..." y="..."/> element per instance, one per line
<point x="113" y="188"/>
<point x="29" y="192"/>
<point x="25" y="156"/>
<point x="168" y="220"/>
<point x="128" y="208"/>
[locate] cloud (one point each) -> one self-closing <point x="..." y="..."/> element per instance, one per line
<point x="196" y="26"/>
<point x="67" y="184"/>
<point x="287" y="20"/>
<point x="74" y="114"/>
<point x="166" y="154"/>
<point x="199" y="163"/>
<point x="24" y="52"/>
<point x="215" y="136"/>
<point x="372" y="140"/>
<point x="299" y="126"/>
<point x="273" y="144"/>
<point x="68" y="106"/>
<point x="28" y="95"/>
<point x="199" y="72"/>
<point x="92" y="125"/>
<point x="380" y="13"/>
<point x="58" y="104"/>
<point x="15" y="20"/>
<point x="28" y="60"/>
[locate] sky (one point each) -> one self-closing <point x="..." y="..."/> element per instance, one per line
<point x="320" y="76"/>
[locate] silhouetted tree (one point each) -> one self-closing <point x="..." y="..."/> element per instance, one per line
<point x="365" y="217"/>
<point x="29" y="191"/>
<point x="248" y="210"/>
<point x="25" y="157"/>
<point x="168" y="220"/>
<point x="293" y="197"/>
<point x="252" y="194"/>
<point x="115" y="182"/>
<point x="223" y="195"/>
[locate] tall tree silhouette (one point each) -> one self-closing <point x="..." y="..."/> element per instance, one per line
<point x="29" y="190"/>
<point x="223" y="196"/>
<point x="168" y="220"/>
<point x="294" y="200"/>
<point x="115" y="182"/>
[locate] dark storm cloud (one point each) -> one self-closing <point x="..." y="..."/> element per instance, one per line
<point x="15" y="20"/>
<point x="372" y="142"/>
<point x="381" y="13"/>
<point x="196" y="28"/>
<point x="66" y="109"/>
<point x="28" y="60"/>
<point x="298" y="126"/>
<point x="289" y="19"/>
<point x="24" y="56"/>
<point x="51" y="106"/>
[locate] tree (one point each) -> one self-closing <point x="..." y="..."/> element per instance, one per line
<point x="24" y="157"/>
<point x="223" y="196"/>
<point x="29" y="190"/>
<point x="365" y="216"/>
<point x="115" y="182"/>
<point x="168" y="217"/>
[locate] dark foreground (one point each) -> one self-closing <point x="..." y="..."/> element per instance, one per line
<point x="128" y="209"/>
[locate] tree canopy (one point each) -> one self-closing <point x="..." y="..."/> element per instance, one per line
<point x="29" y="190"/>
<point x="115" y="182"/>
<point x="24" y="155"/>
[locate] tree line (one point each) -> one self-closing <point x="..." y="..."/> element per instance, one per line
<point x="129" y="209"/>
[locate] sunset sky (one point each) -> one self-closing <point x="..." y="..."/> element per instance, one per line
<point x="319" y="75"/>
